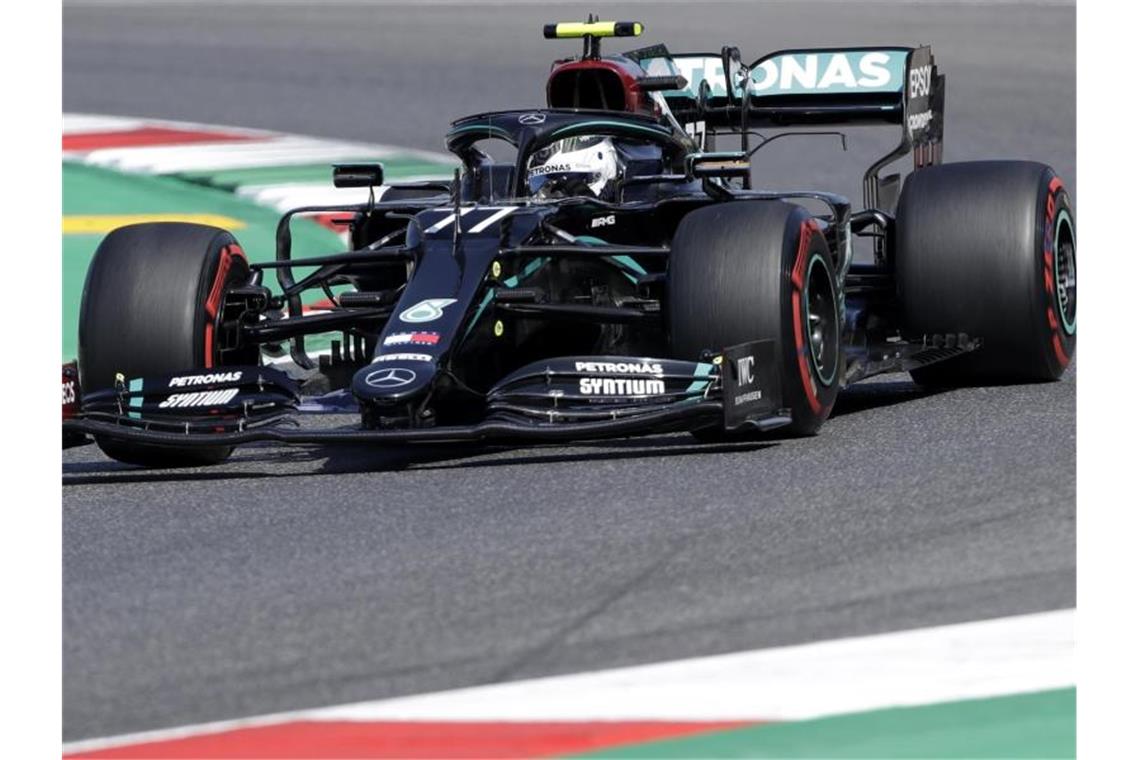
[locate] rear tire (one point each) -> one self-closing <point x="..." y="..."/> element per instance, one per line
<point x="150" y="307"/>
<point x="988" y="248"/>
<point x="756" y="270"/>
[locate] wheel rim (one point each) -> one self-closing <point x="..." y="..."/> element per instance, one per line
<point x="821" y="321"/>
<point x="1065" y="271"/>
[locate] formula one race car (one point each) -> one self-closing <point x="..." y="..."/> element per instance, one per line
<point x="618" y="276"/>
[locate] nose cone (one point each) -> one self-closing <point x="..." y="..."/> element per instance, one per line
<point x="392" y="381"/>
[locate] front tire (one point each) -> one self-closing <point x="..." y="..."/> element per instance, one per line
<point x="151" y="306"/>
<point x="756" y="270"/>
<point x="988" y="248"/>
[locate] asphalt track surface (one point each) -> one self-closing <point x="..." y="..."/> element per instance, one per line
<point x="295" y="578"/>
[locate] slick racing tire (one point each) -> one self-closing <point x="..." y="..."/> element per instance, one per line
<point x="150" y="307"/>
<point x="988" y="249"/>
<point x="757" y="270"/>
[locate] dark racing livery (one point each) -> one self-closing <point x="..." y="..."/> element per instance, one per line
<point x="617" y="275"/>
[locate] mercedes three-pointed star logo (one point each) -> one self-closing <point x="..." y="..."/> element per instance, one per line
<point x="532" y="118"/>
<point x="392" y="377"/>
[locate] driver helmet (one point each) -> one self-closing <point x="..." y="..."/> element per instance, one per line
<point x="576" y="166"/>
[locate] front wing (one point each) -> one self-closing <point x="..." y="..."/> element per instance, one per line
<point x="559" y="399"/>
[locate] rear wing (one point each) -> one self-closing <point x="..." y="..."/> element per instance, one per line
<point x="812" y="87"/>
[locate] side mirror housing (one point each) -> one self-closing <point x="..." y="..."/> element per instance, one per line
<point x="720" y="164"/>
<point x="358" y="175"/>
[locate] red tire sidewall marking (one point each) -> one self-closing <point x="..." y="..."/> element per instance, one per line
<point x="217" y="290"/>
<point x="1056" y="187"/>
<point x="799" y="275"/>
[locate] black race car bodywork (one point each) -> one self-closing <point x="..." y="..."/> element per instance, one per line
<point x="481" y="310"/>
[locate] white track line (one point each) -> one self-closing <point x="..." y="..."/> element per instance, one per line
<point x="75" y="124"/>
<point x="79" y="123"/>
<point x="168" y="159"/>
<point x="972" y="660"/>
<point x="989" y="658"/>
<point x="268" y="149"/>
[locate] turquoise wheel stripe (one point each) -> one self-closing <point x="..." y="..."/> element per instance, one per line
<point x="807" y="323"/>
<point x="1070" y="327"/>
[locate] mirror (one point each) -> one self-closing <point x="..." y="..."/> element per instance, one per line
<point x="358" y="175"/>
<point x="726" y="164"/>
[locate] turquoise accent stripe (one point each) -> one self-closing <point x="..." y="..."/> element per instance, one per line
<point x="511" y="282"/>
<point x="633" y="269"/>
<point x="514" y="280"/>
<point x="628" y="263"/>
<point x="704" y="370"/>
<point x="585" y="126"/>
<point x="697" y="386"/>
<point x="135" y="402"/>
<point x="479" y="313"/>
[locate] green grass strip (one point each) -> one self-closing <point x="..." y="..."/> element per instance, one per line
<point x="93" y="190"/>
<point x="1037" y="725"/>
